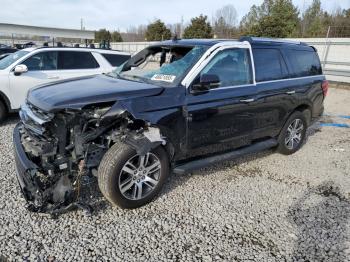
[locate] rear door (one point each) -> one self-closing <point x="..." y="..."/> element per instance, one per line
<point x="275" y="94"/>
<point x="307" y="77"/>
<point x="222" y="118"/>
<point x="76" y="64"/>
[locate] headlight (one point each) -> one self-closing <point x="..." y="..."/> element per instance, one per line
<point x="98" y="112"/>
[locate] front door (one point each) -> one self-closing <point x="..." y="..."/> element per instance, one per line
<point x="222" y="118"/>
<point x="41" y="70"/>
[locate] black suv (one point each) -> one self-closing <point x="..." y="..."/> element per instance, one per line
<point x="175" y="106"/>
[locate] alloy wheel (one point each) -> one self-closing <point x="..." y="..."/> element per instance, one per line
<point x="139" y="176"/>
<point x="294" y="134"/>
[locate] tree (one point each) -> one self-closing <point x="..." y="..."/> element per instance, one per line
<point x="250" y="21"/>
<point x="312" y="20"/>
<point x="157" y="31"/>
<point x="116" y="37"/>
<point x="199" y="28"/>
<point x="101" y="35"/>
<point x="274" y="18"/>
<point x="224" y="21"/>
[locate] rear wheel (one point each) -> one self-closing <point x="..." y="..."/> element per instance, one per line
<point x="293" y="134"/>
<point x="130" y="180"/>
<point x="3" y="111"/>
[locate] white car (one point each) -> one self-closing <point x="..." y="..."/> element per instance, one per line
<point x="31" y="67"/>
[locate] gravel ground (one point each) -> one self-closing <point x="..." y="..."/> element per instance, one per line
<point x="265" y="207"/>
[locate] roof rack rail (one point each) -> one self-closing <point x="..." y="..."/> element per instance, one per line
<point x="251" y="39"/>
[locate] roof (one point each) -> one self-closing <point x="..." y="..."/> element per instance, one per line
<point x="193" y="42"/>
<point x="97" y="50"/>
<point x="211" y="42"/>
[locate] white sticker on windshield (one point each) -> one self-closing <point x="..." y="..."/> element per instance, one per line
<point x="165" y="78"/>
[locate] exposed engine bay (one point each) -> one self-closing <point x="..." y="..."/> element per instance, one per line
<point x="68" y="145"/>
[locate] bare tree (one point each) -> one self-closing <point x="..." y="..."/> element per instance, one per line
<point x="225" y="21"/>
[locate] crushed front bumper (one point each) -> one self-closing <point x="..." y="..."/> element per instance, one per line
<point x="26" y="170"/>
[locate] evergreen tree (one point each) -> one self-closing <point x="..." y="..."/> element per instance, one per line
<point x="199" y="28"/>
<point x="157" y="31"/>
<point x="101" y="35"/>
<point x="274" y="18"/>
<point x="116" y="37"/>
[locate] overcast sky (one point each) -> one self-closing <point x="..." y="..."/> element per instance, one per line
<point x="120" y="14"/>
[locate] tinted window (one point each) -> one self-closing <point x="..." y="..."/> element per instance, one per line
<point x="232" y="66"/>
<point x="269" y="65"/>
<point x="304" y="63"/>
<point x="42" y="61"/>
<point x="76" y="60"/>
<point x="115" y="60"/>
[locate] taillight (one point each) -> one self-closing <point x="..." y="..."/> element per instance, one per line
<point x="325" y="86"/>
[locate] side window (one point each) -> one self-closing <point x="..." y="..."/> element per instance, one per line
<point x="232" y="66"/>
<point x="304" y="63"/>
<point x="116" y="60"/>
<point x="269" y="65"/>
<point x="42" y="61"/>
<point x="76" y="60"/>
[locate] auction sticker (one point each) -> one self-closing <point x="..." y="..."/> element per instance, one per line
<point x="165" y="78"/>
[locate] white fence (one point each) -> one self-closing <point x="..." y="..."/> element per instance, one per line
<point x="333" y="52"/>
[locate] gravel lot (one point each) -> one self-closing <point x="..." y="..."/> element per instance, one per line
<point x="266" y="207"/>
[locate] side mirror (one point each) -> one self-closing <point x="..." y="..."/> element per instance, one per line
<point x="206" y="82"/>
<point x="20" y="69"/>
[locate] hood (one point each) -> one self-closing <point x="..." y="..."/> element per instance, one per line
<point x="79" y="92"/>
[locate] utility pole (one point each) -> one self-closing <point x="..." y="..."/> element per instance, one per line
<point x="81" y="24"/>
<point x="181" y="26"/>
<point x="303" y="23"/>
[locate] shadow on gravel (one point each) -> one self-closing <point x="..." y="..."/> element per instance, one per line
<point x="321" y="216"/>
<point x="11" y="119"/>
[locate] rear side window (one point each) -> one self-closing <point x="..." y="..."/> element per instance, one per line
<point x="76" y="60"/>
<point x="116" y="60"/>
<point x="304" y="63"/>
<point x="269" y="65"/>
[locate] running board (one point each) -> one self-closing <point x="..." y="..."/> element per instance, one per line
<point x="200" y="163"/>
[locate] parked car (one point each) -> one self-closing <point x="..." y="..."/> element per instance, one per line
<point x="25" y="45"/>
<point x="4" y="49"/>
<point x="175" y="106"/>
<point x="30" y="67"/>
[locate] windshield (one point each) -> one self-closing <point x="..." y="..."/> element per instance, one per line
<point x="161" y="65"/>
<point x="10" y="59"/>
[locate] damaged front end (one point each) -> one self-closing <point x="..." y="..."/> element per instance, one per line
<point x="54" y="152"/>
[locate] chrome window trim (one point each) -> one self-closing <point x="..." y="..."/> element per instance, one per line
<point x="287" y="79"/>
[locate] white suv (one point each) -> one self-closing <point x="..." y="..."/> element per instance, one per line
<point x="31" y="67"/>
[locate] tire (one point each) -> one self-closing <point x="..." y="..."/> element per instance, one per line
<point x="118" y="186"/>
<point x="293" y="134"/>
<point x="3" y="111"/>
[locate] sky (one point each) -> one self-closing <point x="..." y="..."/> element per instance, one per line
<point x="121" y="14"/>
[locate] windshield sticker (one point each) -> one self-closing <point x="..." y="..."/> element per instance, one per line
<point x="165" y="78"/>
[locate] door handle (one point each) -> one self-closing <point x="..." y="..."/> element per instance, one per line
<point x="290" y="92"/>
<point x="53" y="77"/>
<point x="247" y="100"/>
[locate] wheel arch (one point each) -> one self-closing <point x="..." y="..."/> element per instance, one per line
<point x="306" y="110"/>
<point x="6" y="101"/>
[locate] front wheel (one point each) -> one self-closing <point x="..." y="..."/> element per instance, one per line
<point x="3" y="111"/>
<point x="293" y="134"/>
<point x="130" y="180"/>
